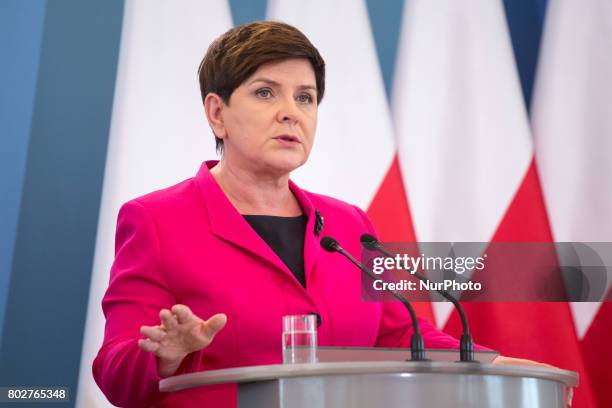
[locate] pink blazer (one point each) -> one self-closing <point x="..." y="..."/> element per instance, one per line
<point x="187" y="244"/>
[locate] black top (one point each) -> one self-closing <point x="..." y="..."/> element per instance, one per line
<point x="285" y="235"/>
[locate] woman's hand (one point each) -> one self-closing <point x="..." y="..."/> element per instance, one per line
<point x="180" y="333"/>
<point x="521" y="362"/>
<point x="531" y="363"/>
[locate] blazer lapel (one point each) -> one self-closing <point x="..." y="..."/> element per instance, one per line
<point x="312" y="247"/>
<point x="226" y="223"/>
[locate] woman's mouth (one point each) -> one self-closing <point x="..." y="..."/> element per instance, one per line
<point x="287" y="139"/>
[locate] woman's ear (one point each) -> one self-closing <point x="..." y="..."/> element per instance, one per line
<point x="213" y="107"/>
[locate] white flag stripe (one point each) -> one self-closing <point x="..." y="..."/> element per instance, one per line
<point x="354" y="143"/>
<point x="463" y="135"/>
<point x="583" y="314"/>
<point x="572" y="126"/>
<point x="159" y="134"/>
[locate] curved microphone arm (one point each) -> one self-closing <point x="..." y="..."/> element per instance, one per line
<point x="417" y="344"/>
<point x="466" y="344"/>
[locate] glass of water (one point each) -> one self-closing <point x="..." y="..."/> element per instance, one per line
<point x="300" y="339"/>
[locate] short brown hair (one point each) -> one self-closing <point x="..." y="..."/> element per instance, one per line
<point x="237" y="54"/>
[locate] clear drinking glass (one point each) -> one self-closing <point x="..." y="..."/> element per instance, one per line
<point x="300" y="339"/>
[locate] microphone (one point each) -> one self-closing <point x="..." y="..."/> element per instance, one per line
<point x="417" y="345"/>
<point x="466" y="344"/>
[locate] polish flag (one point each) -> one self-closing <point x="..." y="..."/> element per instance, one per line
<point x="354" y="145"/>
<point x="354" y="157"/>
<point x="159" y="134"/>
<point x="467" y="159"/>
<point x="572" y="127"/>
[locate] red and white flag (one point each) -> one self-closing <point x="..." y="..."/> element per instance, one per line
<point x="354" y="156"/>
<point x="159" y="134"/>
<point x="354" y="143"/>
<point x="467" y="158"/>
<point x="572" y="127"/>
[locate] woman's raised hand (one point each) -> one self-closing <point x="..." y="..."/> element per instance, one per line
<point x="180" y="333"/>
<point x="521" y="362"/>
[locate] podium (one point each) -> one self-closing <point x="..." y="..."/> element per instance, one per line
<point x="389" y="384"/>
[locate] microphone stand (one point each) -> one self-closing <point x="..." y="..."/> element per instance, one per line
<point x="417" y="345"/>
<point x="466" y="343"/>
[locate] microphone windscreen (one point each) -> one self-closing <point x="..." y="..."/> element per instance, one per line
<point x="329" y="244"/>
<point x="369" y="241"/>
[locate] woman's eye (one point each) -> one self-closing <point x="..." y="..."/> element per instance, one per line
<point x="304" y="98"/>
<point x="263" y="93"/>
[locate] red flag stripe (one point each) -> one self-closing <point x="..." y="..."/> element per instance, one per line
<point x="539" y="331"/>
<point x="390" y="214"/>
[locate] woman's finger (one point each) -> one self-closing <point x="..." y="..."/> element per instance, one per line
<point x="155" y="333"/>
<point x="169" y="321"/>
<point x="182" y="313"/>
<point x="214" y="324"/>
<point x="521" y="362"/>
<point x="148" y="345"/>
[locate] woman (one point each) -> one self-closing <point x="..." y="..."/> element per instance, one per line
<point x="205" y="270"/>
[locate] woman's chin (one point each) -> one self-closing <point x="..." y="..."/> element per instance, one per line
<point x="284" y="165"/>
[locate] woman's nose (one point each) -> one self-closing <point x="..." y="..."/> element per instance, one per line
<point x="287" y="112"/>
